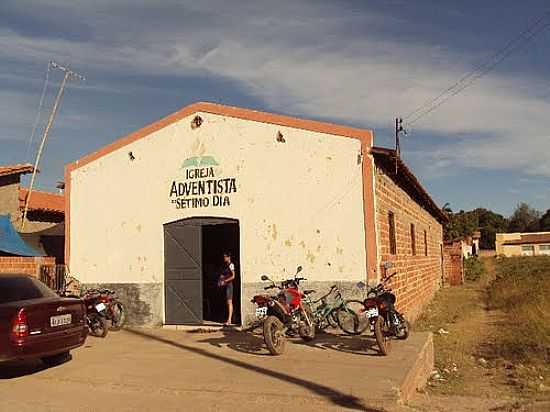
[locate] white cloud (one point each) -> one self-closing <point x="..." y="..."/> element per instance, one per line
<point x="300" y="60"/>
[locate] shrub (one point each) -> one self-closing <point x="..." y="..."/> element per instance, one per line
<point x="473" y="268"/>
<point x="521" y="291"/>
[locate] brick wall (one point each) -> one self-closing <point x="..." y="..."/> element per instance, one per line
<point x="419" y="276"/>
<point x="453" y="264"/>
<point x="9" y="197"/>
<point x="24" y="265"/>
<point x="9" y="205"/>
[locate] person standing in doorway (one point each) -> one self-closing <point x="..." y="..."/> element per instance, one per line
<point x="226" y="280"/>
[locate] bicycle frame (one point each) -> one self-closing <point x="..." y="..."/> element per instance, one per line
<point x="323" y="309"/>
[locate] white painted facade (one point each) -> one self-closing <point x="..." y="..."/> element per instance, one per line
<point x="298" y="203"/>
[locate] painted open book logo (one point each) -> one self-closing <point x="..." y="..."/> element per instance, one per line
<point x="199" y="161"/>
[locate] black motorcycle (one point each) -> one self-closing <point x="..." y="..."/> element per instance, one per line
<point x="379" y="308"/>
<point x="95" y="311"/>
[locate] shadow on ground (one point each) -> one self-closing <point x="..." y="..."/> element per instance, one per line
<point x="334" y="396"/>
<point x="18" y="369"/>
<point x="244" y="342"/>
<point x="252" y="342"/>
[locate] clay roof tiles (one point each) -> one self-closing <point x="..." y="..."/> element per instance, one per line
<point x="17" y="169"/>
<point x="408" y="181"/>
<point x="42" y="201"/>
<point x="529" y="239"/>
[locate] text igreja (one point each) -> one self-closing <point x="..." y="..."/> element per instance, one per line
<point x="201" y="188"/>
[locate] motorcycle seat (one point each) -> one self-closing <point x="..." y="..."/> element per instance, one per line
<point x="309" y="291"/>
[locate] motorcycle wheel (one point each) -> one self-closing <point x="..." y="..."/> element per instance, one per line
<point x="382" y="336"/>
<point x="118" y="314"/>
<point x="306" y="332"/>
<point x="98" y="325"/>
<point x="349" y="318"/>
<point x="405" y="330"/>
<point x="274" y="335"/>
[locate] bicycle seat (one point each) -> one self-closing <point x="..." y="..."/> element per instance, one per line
<point x="309" y="291"/>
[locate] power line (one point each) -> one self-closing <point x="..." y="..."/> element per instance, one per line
<point x="478" y="67"/>
<point x="473" y="80"/>
<point x="481" y="70"/>
<point x="68" y="75"/>
<point x="37" y="119"/>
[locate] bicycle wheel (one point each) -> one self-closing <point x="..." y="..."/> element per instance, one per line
<point x="332" y="319"/>
<point x="118" y="316"/>
<point x="351" y="319"/>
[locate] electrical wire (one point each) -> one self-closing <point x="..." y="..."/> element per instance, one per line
<point x="481" y="70"/>
<point x="38" y="114"/>
<point x="477" y="68"/>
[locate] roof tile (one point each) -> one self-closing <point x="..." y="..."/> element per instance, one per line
<point x="529" y="239"/>
<point x="43" y="201"/>
<point x="17" y="169"/>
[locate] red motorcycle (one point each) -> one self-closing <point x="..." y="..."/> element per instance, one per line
<point x="379" y="308"/>
<point x="284" y="313"/>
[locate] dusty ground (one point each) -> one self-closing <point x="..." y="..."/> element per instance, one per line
<point x="150" y="370"/>
<point x="470" y="375"/>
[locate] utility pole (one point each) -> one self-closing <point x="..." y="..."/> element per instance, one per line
<point x="398" y="130"/>
<point x="69" y="75"/>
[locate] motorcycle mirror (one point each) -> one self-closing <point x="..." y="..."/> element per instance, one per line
<point x="298" y="269"/>
<point x="264" y="277"/>
<point x="388" y="265"/>
<point x="361" y="285"/>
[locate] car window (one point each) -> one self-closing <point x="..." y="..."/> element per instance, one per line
<point x="13" y="289"/>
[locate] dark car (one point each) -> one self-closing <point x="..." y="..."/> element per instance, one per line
<point x="36" y="323"/>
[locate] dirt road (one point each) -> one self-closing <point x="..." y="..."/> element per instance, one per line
<point x="151" y="370"/>
<point x="471" y="376"/>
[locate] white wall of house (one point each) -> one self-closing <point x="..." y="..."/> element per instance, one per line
<point x="298" y="202"/>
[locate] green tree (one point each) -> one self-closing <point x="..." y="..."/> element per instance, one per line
<point x="524" y="219"/>
<point x="490" y="223"/>
<point x="463" y="224"/>
<point x="544" y="223"/>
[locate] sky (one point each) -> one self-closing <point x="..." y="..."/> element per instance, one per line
<point x="359" y="63"/>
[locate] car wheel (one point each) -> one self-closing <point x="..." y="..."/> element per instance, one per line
<point x="57" y="359"/>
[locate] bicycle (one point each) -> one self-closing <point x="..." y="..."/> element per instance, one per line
<point x="336" y="313"/>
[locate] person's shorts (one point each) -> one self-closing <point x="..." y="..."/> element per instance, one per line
<point x="229" y="291"/>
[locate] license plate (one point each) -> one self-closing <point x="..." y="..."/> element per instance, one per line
<point x="61" y="320"/>
<point x="260" y="312"/>
<point x="100" y="307"/>
<point x="371" y="313"/>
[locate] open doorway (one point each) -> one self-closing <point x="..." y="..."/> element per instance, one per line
<point x="193" y="262"/>
<point x="216" y="240"/>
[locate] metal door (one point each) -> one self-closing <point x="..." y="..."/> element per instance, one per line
<point x="182" y="273"/>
